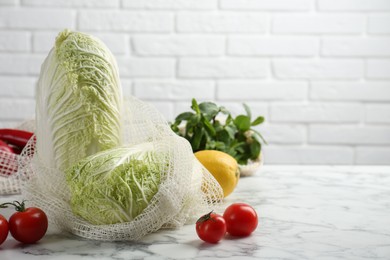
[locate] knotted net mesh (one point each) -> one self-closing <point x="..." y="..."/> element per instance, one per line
<point x="10" y="182"/>
<point x="186" y="191"/>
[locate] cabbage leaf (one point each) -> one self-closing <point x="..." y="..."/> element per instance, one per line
<point x="116" y="185"/>
<point x="78" y="101"/>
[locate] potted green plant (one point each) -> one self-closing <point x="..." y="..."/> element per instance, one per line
<point x="213" y="127"/>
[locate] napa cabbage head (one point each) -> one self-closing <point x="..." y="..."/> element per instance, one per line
<point x="116" y="185"/>
<point x="78" y="101"/>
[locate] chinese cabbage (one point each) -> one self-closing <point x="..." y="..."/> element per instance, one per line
<point x="116" y="185"/>
<point x="79" y="100"/>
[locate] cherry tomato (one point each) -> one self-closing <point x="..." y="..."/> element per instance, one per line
<point x="27" y="225"/>
<point x="211" y="227"/>
<point x="3" y="229"/>
<point x="241" y="219"/>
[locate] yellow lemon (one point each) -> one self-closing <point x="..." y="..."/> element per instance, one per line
<point x="222" y="166"/>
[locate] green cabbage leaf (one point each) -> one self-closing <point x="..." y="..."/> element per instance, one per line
<point x="78" y="101"/>
<point x="116" y="185"/>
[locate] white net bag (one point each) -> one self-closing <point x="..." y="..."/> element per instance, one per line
<point x="186" y="189"/>
<point x="8" y="168"/>
<point x="100" y="167"/>
<point x="9" y="179"/>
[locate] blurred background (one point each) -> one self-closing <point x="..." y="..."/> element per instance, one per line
<point x="317" y="70"/>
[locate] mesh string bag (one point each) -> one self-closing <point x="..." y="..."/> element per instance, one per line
<point x="10" y="182"/>
<point x="186" y="191"/>
<point x="8" y="167"/>
<point x="98" y="187"/>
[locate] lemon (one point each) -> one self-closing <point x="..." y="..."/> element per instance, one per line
<point x="222" y="166"/>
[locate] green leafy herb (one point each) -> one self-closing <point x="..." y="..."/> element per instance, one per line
<point x="205" y="130"/>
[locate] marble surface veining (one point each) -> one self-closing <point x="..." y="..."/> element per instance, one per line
<point x="320" y="213"/>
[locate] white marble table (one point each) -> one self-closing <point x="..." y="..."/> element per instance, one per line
<point x="305" y="213"/>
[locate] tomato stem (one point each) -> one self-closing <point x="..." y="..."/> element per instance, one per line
<point x="19" y="206"/>
<point x="205" y="217"/>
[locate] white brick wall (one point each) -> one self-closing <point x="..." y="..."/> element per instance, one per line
<point x="223" y="68"/>
<point x="318" y="23"/>
<point x="14" y="41"/>
<point x="36" y="18"/>
<point x="379" y="23"/>
<point x="182" y="45"/>
<point x="318" y="70"/>
<point x="354" y="5"/>
<point x="349" y="134"/>
<point x="378" y="68"/>
<point x="127" y="21"/>
<point x="373" y="91"/>
<point x="356" y="47"/>
<point x="239" y="90"/>
<point x="221" y="22"/>
<point x="273" y="46"/>
<point x="268" y="5"/>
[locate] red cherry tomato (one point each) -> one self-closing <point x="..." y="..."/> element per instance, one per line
<point x="27" y="225"/>
<point x="211" y="227"/>
<point x="241" y="219"/>
<point x="3" y="229"/>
